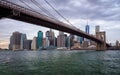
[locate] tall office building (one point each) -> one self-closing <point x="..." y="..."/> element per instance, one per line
<point x="117" y="43"/>
<point x="40" y="39"/>
<point x="51" y="37"/>
<point x="87" y="29"/>
<point x="45" y="42"/>
<point x="97" y="28"/>
<point x="16" y="36"/>
<point x="23" y="41"/>
<point x="67" y="43"/>
<point x="11" y="43"/>
<point x="61" y="40"/>
<point x="34" y="44"/>
<point x="81" y="40"/>
<point x="71" y="40"/>
<point x="28" y="44"/>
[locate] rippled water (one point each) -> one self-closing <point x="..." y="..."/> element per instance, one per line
<point x="59" y="62"/>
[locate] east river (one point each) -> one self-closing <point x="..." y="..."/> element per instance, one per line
<point x="54" y="62"/>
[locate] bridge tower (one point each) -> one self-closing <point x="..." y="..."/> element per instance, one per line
<point x="101" y="36"/>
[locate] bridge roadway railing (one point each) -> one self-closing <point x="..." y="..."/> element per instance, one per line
<point x="27" y="11"/>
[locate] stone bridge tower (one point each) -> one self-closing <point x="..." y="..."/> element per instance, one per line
<point x="101" y="36"/>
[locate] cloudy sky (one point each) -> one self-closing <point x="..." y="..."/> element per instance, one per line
<point x="105" y="13"/>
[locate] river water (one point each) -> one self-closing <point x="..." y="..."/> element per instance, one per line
<point x="53" y="62"/>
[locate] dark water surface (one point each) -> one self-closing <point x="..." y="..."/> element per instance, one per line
<point x="59" y="62"/>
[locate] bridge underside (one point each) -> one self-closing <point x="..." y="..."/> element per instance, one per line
<point x="8" y="13"/>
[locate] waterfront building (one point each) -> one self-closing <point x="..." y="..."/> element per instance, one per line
<point x="40" y="39"/>
<point x="67" y="41"/>
<point x="61" y="40"/>
<point x="85" y="44"/>
<point x="71" y="40"/>
<point x="117" y="43"/>
<point x="45" y="42"/>
<point x="51" y="37"/>
<point x="16" y="40"/>
<point x="23" y="41"/>
<point x="28" y="44"/>
<point x="11" y="43"/>
<point x="76" y="45"/>
<point x="34" y="44"/>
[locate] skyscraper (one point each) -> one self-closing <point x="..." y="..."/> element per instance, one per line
<point x="97" y="28"/>
<point x="40" y="39"/>
<point x="87" y="29"/>
<point x="61" y="40"/>
<point x="71" y="36"/>
<point x="34" y="44"/>
<point x="81" y="40"/>
<point x="16" y="36"/>
<point x="28" y="44"/>
<point x="51" y="37"/>
<point x="11" y="43"/>
<point x="23" y="41"/>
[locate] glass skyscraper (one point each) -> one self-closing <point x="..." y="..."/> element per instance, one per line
<point x="40" y="39"/>
<point x="87" y="29"/>
<point x="23" y="41"/>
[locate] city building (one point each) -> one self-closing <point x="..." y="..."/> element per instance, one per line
<point x="87" y="29"/>
<point x="15" y="41"/>
<point x="61" y="40"/>
<point x="28" y="44"/>
<point x="51" y="37"/>
<point x="40" y="39"/>
<point x="87" y="41"/>
<point x="11" y="43"/>
<point x="23" y="41"/>
<point x="117" y="43"/>
<point x="76" y="45"/>
<point x="97" y="28"/>
<point x="34" y="44"/>
<point x="45" y="42"/>
<point x="71" y="40"/>
<point x="67" y="41"/>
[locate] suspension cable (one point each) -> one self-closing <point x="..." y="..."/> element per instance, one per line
<point x="43" y="9"/>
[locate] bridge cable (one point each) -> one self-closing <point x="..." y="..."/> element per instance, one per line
<point x="59" y="13"/>
<point x="33" y="9"/>
<point x="43" y="9"/>
<point x="26" y="4"/>
<point x="53" y="9"/>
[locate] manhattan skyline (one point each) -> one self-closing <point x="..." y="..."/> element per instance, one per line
<point x="103" y="13"/>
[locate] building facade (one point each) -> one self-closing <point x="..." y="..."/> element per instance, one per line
<point x="23" y="41"/>
<point x="61" y="40"/>
<point x="87" y="29"/>
<point x="97" y="28"/>
<point x="34" y="44"/>
<point x="28" y="44"/>
<point x="40" y="39"/>
<point x="16" y="40"/>
<point x="51" y="37"/>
